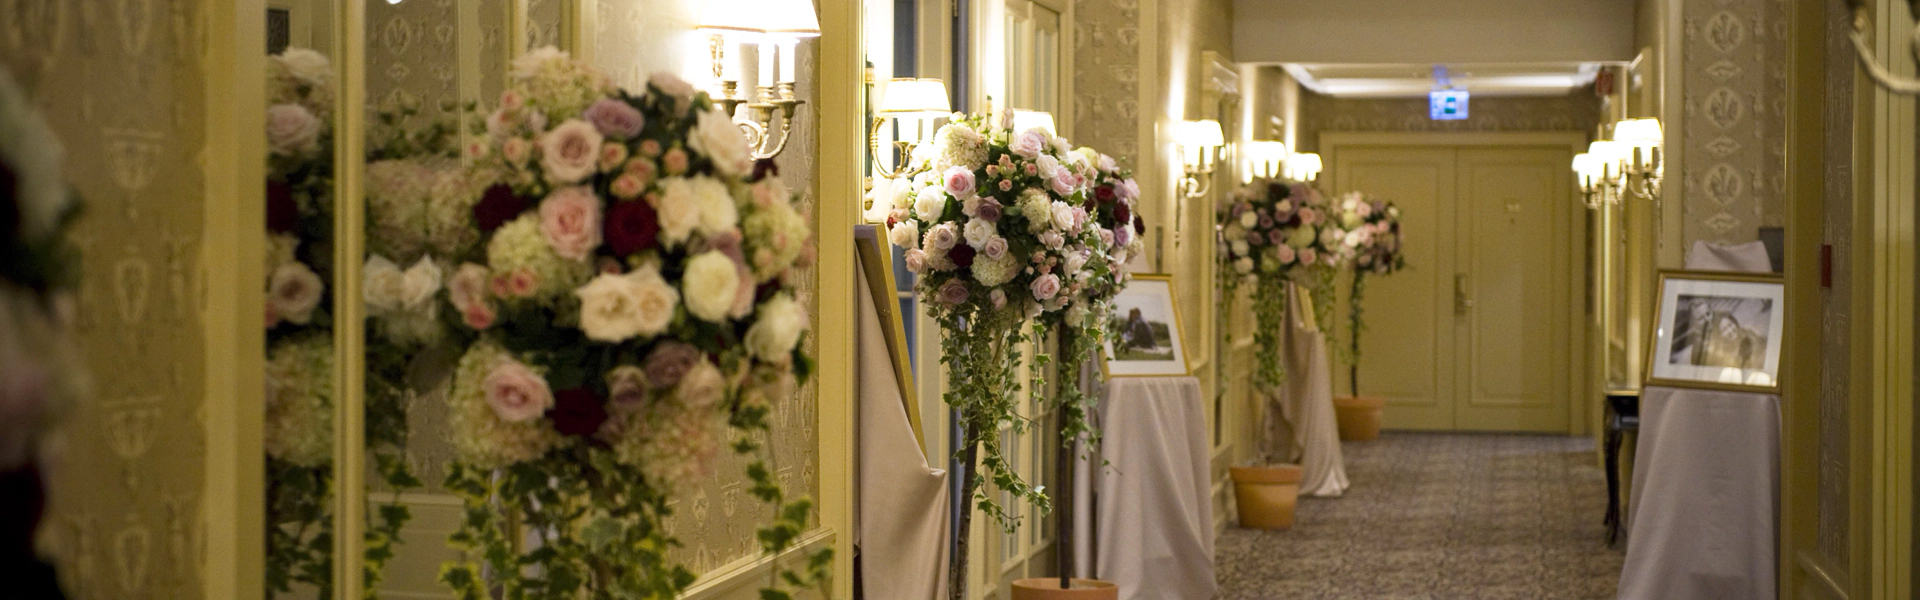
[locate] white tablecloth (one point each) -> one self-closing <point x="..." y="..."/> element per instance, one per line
<point x="902" y="528"/>
<point x="1152" y="513"/>
<point x="1701" y="523"/>
<point x="1307" y="404"/>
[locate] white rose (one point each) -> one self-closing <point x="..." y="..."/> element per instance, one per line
<point x="308" y="66"/>
<point x="900" y="193"/>
<point x="677" y="209"/>
<point x="711" y="282"/>
<point x="616" y="308"/>
<point x="384" y="285"/>
<point x="1062" y="216"/>
<point x="979" y="232"/>
<point x="1248" y="219"/>
<point x="293" y="291"/>
<point x="1048" y="166"/>
<point x="717" y="211"/>
<point x="1244" y="265"/>
<point x="930" y="203"/>
<point x="292" y="129"/>
<point x="773" y="336"/>
<point x="720" y="139"/>
<point x="905" y="234"/>
<point x="1239" y="247"/>
<point x="421" y="282"/>
<point x="655" y="300"/>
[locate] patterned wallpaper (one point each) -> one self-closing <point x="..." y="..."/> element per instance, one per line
<point x="413" y="51"/>
<point x="1577" y="111"/>
<point x="1734" y="82"/>
<point x="123" y="88"/>
<point x="636" y="38"/>
<point x="1106" y="77"/>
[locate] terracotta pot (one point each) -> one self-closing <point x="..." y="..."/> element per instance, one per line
<point x="1266" y="495"/>
<point x="1048" y="588"/>
<point x="1359" y="417"/>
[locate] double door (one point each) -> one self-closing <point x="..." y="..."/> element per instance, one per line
<point x="1479" y="333"/>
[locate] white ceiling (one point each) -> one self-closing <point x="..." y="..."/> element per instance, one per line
<point x="1426" y="32"/>
<point x="1415" y="80"/>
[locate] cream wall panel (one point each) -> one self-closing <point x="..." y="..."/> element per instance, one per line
<point x="1457" y="31"/>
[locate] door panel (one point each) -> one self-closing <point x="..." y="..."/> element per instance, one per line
<point x="1512" y="209"/>
<point x="1410" y="353"/>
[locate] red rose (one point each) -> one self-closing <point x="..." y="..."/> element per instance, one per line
<point x="497" y="207"/>
<point x="962" y="256"/>
<point x="1139" y="225"/>
<point x="577" y="412"/>
<point x="1103" y="193"/>
<point x="1122" y="214"/>
<point x="282" y="213"/>
<point x="762" y="168"/>
<point x="632" y="227"/>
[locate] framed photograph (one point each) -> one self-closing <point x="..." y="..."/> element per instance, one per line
<point x="1149" y="342"/>
<point x="1718" y="331"/>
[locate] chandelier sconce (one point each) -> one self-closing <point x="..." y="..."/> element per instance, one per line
<point x="1303" y="166"/>
<point x="916" y="104"/>
<point x="1200" y="143"/>
<point x="776" y="26"/>
<point x="1873" y="65"/>
<point x="1641" y="140"/>
<point x="1599" y="171"/>
<point x="1265" y="159"/>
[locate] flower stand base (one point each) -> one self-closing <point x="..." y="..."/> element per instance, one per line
<point x="1359" y="417"/>
<point x="1266" y="495"/>
<point x="1048" y="588"/>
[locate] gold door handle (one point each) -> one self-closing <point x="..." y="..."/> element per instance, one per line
<point x="1461" y="303"/>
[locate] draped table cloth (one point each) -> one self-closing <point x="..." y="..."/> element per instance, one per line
<point x="1311" y="425"/>
<point x="1149" y="526"/>
<point x="902" y="528"/>
<point x="1705" y="506"/>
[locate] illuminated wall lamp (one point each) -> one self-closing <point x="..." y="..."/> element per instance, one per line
<point x="773" y="24"/>
<point x="916" y="104"/>
<point x="1028" y="119"/>
<point x="1600" y="173"/>
<point x="1200" y="143"/>
<point x="1303" y="166"/>
<point x="1641" y="140"/>
<point x="1265" y="159"/>
<point x="1875" y="68"/>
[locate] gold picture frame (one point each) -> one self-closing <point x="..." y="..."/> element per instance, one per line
<point x="1746" y="308"/>
<point x="1176" y="332"/>
<point x="876" y="261"/>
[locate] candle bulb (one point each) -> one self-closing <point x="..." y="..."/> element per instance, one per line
<point x="766" y="65"/>
<point x="788" y="48"/>
<point x="730" y="59"/>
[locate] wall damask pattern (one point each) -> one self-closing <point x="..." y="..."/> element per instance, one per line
<point x="1577" y="111"/>
<point x="716" y="518"/>
<point x="1734" y="82"/>
<point x="1106" y="77"/>
<point x="123" y="86"/>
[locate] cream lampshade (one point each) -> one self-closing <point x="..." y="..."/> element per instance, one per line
<point x="1197" y="140"/>
<point x="780" y="18"/>
<point x="1029" y="119"/>
<point x="1638" y="133"/>
<point x="1303" y="166"/>
<point x="907" y="96"/>
<point x="1266" y="157"/>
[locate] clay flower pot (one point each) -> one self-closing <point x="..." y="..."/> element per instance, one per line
<point x="1359" y="417"/>
<point x="1266" y="495"/>
<point x="1048" y="588"/>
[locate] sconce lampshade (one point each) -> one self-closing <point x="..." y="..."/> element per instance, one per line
<point x="1199" y="134"/>
<point x="782" y="18"/>
<point x="1303" y="166"/>
<point x="1638" y="133"/>
<point x="1608" y="153"/>
<point x="1029" y="119"/>
<point x="909" y="97"/>
<point x="1267" y="152"/>
<point x="1585" y="168"/>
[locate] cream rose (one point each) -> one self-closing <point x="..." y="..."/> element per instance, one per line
<point x="904" y="234"/>
<point x="720" y="139"/>
<point x="930" y="203"/>
<point x="617" y="308"/>
<point x="293" y="291"/>
<point x="979" y="232"/>
<point x="292" y="129"/>
<point x="710" y="286"/>
<point x="777" y="330"/>
<point x="717" y="212"/>
<point x="571" y="152"/>
<point x="702" y="386"/>
<point x="677" y="209"/>
<point x="468" y="286"/>
<point x="383" y="284"/>
<point x="419" y="284"/>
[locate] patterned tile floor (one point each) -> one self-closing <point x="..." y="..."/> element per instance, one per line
<point x="1440" y="517"/>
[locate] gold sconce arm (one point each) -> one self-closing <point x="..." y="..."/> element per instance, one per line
<point x="1862" y="23"/>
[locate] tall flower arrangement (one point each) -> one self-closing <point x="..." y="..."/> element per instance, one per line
<point x="633" y="295"/>
<point x="995" y="226"/>
<point x="1373" y="233"/>
<point x="1111" y="199"/>
<point x="1272" y="232"/>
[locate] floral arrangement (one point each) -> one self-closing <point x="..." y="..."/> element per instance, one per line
<point x="300" y="357"/>
<point x="1373" y="232"/>
<point x="1111" y="200"/>
<point x="1272" y="232"/>
<point x="632" y="294"/>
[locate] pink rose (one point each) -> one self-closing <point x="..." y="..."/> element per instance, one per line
<point x="1052" y="239"/>
<point x="522" y="283"/>
<point x="916" y="260"/>
<point x="478" y="316"/>
<point x="615" y="118"/>
<point x="570" y="152"/>
<point x="613" y="155"/>
<point x="627" y="385"/>
<point x="570" y="220"/>
<point x="959" y="182"/>
<point x="511" y="100"/>
<point x="675" y="161"/>
<point x="1045" y="286"/>
<point x="994" y="248"/>
<point x="674" y="87"/>
<point x="998" y="297"/>
<point x="1029" y="143"/>
<point x="516" y="393"/>
<point x="468" y="286"/>
<point x="989" y="210"/>
<point x="516" y="150"/>
<point x="1285" y="254"/>
<point x="1307" y="256"/>
<point x="292" y="129"/>
<point x="953" y="293"/>
<point x="669" y="362"/>
<point x="1061" y="185"/>
<point x="627" y="186"/>
<point x="650" y="148"/>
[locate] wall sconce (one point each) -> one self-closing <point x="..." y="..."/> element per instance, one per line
<point x="1029" y="119"/>
<point x="1265" y="159"/>
<point x="1303" y="166"/>
<point x="916" y="103"/>
<point x="1200" y="142"/>
<point x="1862" y="22"/>
<point x="1641" y="140"/>
<point x="1598" y="170"/>
<point x="774" y="25"/>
